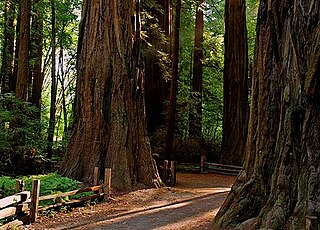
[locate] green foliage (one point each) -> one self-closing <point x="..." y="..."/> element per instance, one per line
<point x="21" y="137"/>
<point x="212" y="70"/>
<point x="50" y="184"/>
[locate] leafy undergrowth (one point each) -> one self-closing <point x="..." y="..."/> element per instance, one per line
<point x="49" y="184"/>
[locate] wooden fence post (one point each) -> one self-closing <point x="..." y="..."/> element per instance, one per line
<point x="34" y="200"/>
<point x="202" y="160"/>
<point x="165" y="168"/>
<point x="20" y="186"/>
<point x="22" y="206"/>
<point x="95" y="176"/>
<point x="173" y="173"/>
<point x="107" y="183"/>
<point x="311" y="222"/>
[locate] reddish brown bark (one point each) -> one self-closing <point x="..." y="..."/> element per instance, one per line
<point x="24" y="48"/>
<point x="195" y="116"/>
<point x="109" y="120"/>
<point x="236" y="107"/>
<point x="279" y="185"/>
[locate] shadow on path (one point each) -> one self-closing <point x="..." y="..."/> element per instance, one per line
<point x="175" y="215"/>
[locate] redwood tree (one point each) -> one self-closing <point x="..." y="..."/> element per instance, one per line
<point x="279" y="185"/>
<point x="36" y="53"/>
<point x="109" y="119"/>
<point x="236" y="107"/>
<point x="195" y="116"/>
<point x="23" y="52"/>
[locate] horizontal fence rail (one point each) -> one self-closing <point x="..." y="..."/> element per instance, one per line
<point x="26" y="202"/>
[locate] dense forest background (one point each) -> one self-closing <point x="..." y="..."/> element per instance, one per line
<point x="128" y="84"/>
<point x="39" y="132"/>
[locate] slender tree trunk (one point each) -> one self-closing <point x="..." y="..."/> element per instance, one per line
<point x="52" y="120"/>
<point x="13" y="80"/>
<point x="24" y="48"/>
<point x="8" y="45"/>
<point x="278" y="187"/>
<point x="236" y="107"/>
<point x="195" y="116"/>
<point x="61" y="78"/>
<point x="109" y="128"/>
<point x="174" y="84"/>
<point x="36" y="54"/>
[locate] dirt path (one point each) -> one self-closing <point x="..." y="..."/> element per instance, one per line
<point x="192" y="204"/>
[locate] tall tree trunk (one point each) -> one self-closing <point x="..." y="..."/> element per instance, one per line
<point x="36" y="53"/>
<point x="156" y="86"/>
<point x="236" y="107"/>
<point x="174" y="83"/>
<point x="8" y="45"/>
<point x="13" y="80"/>
<point x="195" y="116"/>
<point x="52" y="120"/>
<point x="24" y="48"/>
<point x="61" y="78"/>
<point x="109" y="128"/>
<point x="279" y="186"/>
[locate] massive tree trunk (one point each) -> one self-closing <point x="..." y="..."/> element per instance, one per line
<point x="8" y="45"/>
<point x="109" y="119"/>
<point x="23" y="54"/>
<point x="236" y="107"/>
<point x="195" y="116"/>
<point x="279" y="186"/>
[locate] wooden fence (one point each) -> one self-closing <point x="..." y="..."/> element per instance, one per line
<point x="205" y="166"/>
<point x="26" y="203"/>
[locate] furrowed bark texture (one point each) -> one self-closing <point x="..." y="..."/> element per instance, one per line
<point x="279" y="185"/>
<point x="236" y="106"/>
<point x="23" y="54"/>
<point x="109" y="118"/>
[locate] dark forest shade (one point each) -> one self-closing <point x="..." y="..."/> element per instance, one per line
<point x="156" y="86"/>
<point x="8" y="45"/>
<point x="279" y="185"/>
<point x="236" y="107"/>
<point x="109" y="126"/>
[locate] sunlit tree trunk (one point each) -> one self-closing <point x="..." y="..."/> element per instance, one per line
<point x="236" y="107"/>
<point x="279" y="185"/>
<point x="109" y="128"/>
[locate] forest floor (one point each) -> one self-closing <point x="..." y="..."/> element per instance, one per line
<point x="191" y="204"/>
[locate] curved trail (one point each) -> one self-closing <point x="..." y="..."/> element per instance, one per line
<point x="192" y="204"/>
